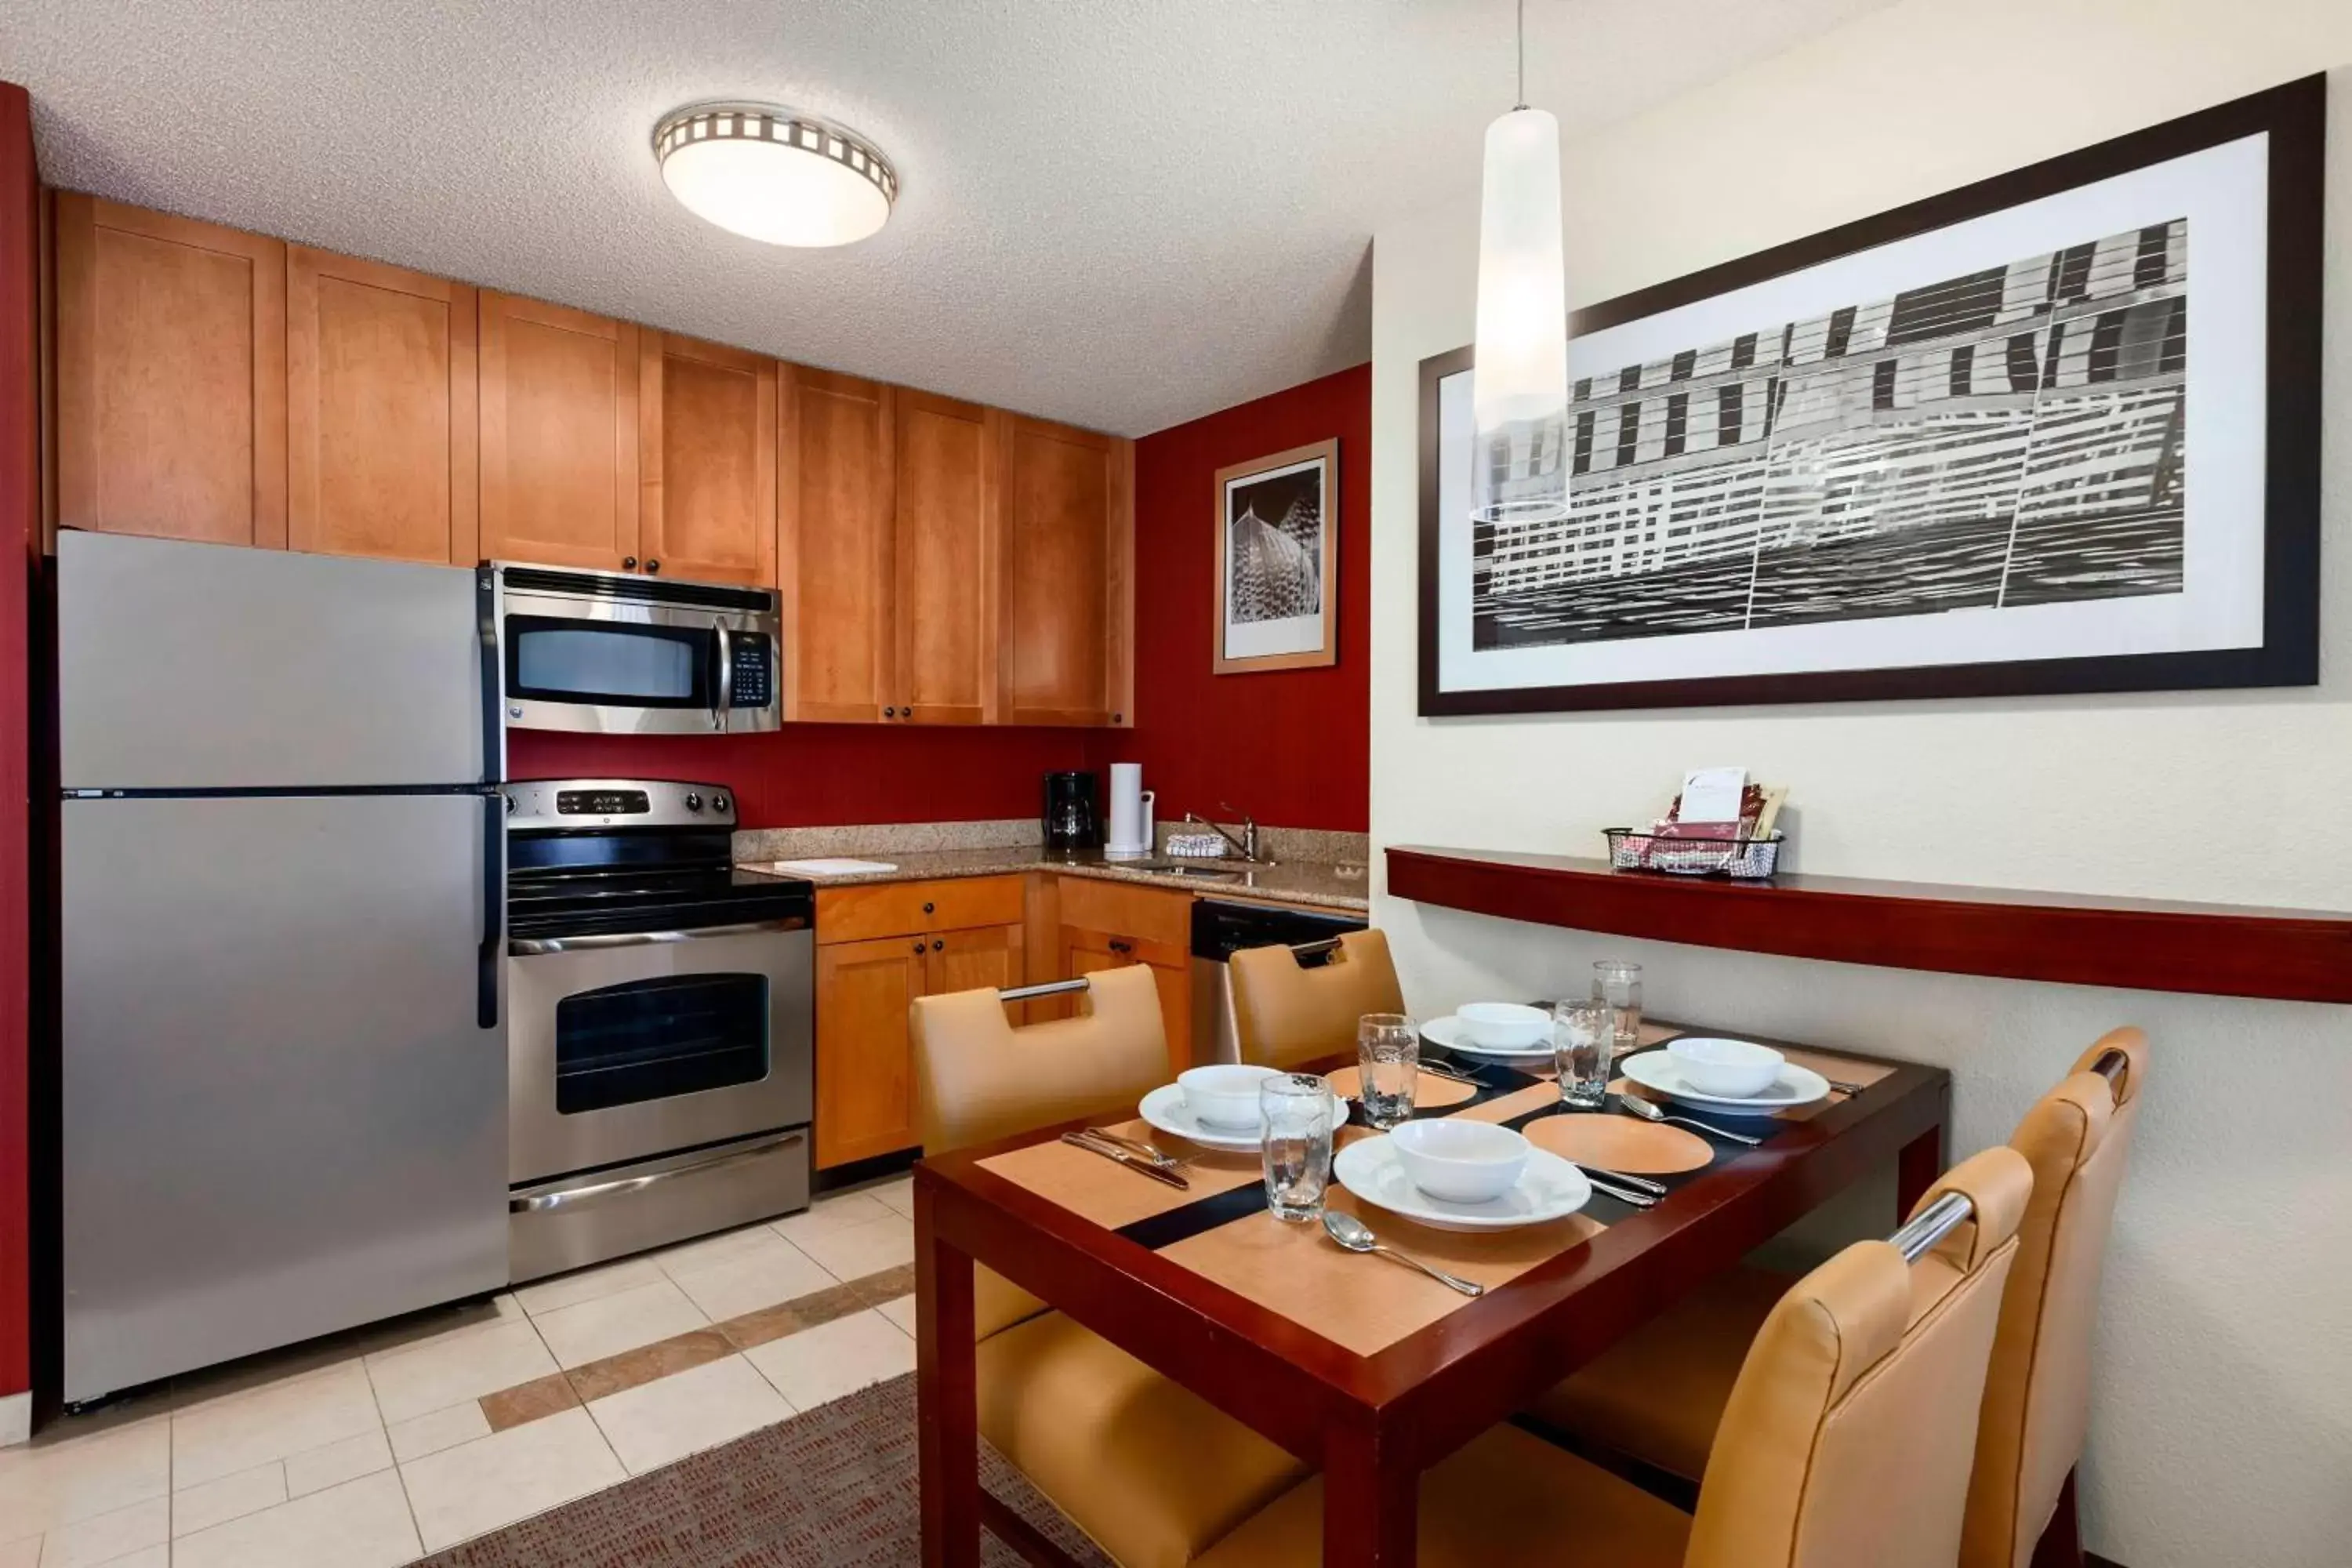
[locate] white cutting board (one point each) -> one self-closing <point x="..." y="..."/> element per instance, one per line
<point x="835" y="867"/>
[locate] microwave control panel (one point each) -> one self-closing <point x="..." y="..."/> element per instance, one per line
<point x="753" y="680"/>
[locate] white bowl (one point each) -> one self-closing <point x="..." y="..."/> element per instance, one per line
<point x="1733" y="1069"/>
<point x="1506" y="1026"/>
<point x="1224" y="1095"/>
<point x="1460" y="1162"/>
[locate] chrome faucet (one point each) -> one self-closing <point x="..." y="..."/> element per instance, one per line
<point x="1246" y="843"/>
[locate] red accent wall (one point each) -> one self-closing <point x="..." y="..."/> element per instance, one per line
<point x="1292" y="748"/>
<point x="20" y="546"/>
<point x="821" y="775"/>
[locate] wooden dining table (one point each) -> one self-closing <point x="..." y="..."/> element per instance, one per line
<point x="1364" y="1370"/>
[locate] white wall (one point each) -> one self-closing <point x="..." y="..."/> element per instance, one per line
<point x="2223" y="1428"/>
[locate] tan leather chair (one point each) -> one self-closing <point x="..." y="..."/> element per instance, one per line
<point x="1151" y="1472"/>
<point x="1285" y="1014"/>
<point x="1846" y="1441"/>
<point x="1664" y="1409"/>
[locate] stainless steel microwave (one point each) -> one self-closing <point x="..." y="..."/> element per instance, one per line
<point x="617" y="653"/>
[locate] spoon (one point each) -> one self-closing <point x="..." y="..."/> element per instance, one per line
<point x="1648" y="1112"/>
<point x="1357" y="1236"/>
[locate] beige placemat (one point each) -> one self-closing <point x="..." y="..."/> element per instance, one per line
<point x="1618" y="1143"/>
<point x="1095" y="1187"/>
<point x="1430" y="1092"/>
<point x="1360" y="1302"/>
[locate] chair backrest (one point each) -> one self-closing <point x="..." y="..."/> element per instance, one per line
<point x="1284" y="1013"/>
<point x="2037" y="1401"/>
<point x="978" y="1078"/>
<point x="1848" y="1435"/>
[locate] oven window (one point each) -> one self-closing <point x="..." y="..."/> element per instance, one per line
<point x="558" y="660"/>
<point x="653" y="1039"/>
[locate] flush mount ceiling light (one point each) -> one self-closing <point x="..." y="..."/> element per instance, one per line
<point x="1519" y="387"/>
<point x="775" y="174"/>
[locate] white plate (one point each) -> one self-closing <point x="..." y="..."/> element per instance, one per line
<point x="1548" y="1189"/>
<point x="1164" y="1109"/>
<point x="1658" y="1070"/>
<point x="1454" y="1036"/>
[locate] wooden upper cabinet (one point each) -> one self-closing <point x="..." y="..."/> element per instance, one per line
<point x="834" y="558"/>
<point x="1064" y="643"/>
<point x="946" y="520"/>
<point x="707" y="457"/>
<point x="171" y="375"/>
<point x="560" y="438"/>
<point x="380" y="418"/>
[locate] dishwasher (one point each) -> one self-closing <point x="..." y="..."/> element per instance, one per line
<point x="1220" y="930"/>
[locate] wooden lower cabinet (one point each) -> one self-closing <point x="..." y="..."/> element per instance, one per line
<point x="1085" y="951"/>
<point x="865" y="1056"/>
<point x="865" y="1065"/>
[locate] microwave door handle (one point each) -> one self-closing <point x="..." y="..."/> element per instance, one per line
<point x="726" y="678"/>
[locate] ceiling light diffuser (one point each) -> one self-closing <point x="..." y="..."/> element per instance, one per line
<point x="775" y="174"/>
<point x="1519" y="385"/>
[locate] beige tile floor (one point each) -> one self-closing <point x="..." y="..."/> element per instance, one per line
<point x="372" y="1449"/>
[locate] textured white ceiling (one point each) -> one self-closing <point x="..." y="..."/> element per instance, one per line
<point x="1119" y="213"/>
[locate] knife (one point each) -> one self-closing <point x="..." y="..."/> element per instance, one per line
<point x="1110" y="1151"/>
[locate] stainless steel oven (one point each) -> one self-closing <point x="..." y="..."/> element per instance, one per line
<point x="660" y="1039"/>
<point x="619" y="653"/>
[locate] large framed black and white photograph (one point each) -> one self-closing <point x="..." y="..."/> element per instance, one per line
<point x="2055" y="432"/>
<point x="1277" y="560"/>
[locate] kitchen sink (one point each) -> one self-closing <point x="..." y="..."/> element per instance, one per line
<point x="1214" y="870"/>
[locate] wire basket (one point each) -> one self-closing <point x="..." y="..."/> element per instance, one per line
<point x="1737" y="855"/>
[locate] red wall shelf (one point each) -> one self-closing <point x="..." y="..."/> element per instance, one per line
<point x="2218" y="949"/>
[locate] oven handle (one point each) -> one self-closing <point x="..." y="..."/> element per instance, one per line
<point x="542" y="1203"/>
<point x="538" y="946"/>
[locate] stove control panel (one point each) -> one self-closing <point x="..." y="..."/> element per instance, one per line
<point x="581" y="805"/>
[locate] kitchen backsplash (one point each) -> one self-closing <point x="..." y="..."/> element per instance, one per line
<point x="1306" y="846"/>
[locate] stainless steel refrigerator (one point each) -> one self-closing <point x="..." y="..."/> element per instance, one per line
<point x="284" y="1049"/>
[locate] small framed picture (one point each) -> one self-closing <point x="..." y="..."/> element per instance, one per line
<point x="1279" y="560"/>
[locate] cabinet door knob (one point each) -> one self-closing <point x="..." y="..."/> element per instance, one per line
<point x="1122" y="947"/>
<point x="918" y="947"/>
<point x="628" y="563"/>
<point x="931" y="909"/>
<point x="1119" y="718"/>
<point x="652" y="565"/>
<point x="937" y="944"/>
<point x="889" y="712"/>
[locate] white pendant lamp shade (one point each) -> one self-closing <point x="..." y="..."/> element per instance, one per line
<point x="774" y="175"/>
<point x="1519" y="473"/>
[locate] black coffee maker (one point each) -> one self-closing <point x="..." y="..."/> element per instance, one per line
<point x="1070" y="819"/>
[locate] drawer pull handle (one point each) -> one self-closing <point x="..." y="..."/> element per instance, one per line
<point x="931" y="909"/>
<point x="541" y="1203"/>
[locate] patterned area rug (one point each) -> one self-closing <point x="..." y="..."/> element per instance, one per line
<point x="833" y="1488"/>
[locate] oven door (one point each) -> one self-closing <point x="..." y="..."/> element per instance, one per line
<point x="585" y="654"/>
<point x="621" y="1047"/>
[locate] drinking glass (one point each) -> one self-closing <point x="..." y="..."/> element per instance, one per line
<point x="1618" y="984"/>
<point x="1295" y="1125"/>
<point x="1581" y="1034"/>
<point x="1388" y="1060"/>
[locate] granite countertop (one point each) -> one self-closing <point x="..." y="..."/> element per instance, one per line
<point x="1320" y="883"/>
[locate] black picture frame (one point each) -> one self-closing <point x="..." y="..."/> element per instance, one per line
<point x="2294" y="117"/>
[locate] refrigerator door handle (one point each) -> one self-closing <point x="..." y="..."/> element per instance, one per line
<point x="492" y="952"/>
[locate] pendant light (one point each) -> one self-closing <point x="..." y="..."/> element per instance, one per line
<point x="1519" y="472"/>
<point x="771" y="173"/>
